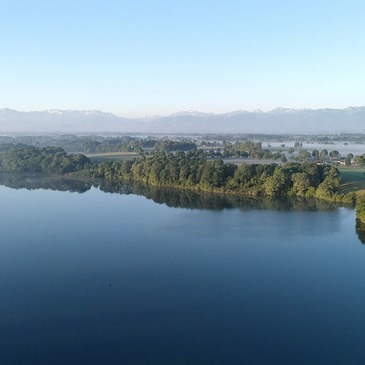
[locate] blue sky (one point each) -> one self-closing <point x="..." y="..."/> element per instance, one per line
<point x="138" y="57"/>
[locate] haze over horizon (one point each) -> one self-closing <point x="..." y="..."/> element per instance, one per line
<point x="280" y="120"/>
<point x="158" y="58"/>
<point x="178" y="113"/>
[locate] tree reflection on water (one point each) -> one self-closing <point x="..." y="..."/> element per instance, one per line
<point x="174" y="197"/>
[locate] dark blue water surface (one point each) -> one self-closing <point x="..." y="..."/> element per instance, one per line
<point x="100" y="278"/>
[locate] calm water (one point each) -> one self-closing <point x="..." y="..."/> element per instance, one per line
<point x="99" y="278"/>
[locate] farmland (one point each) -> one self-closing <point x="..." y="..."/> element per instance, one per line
<point x="353" y="179"/>
<point x="111" y="156"/>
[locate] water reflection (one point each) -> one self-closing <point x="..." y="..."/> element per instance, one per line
<point x="17" y="181"/>
<point x="99" y="278"/>
<point x="176" y="198"/>
<point x="360" y="230"/>
<point x="187" y="199"/>
<point x="171" y="197"/>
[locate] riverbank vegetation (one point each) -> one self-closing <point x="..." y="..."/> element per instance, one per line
<point x="360" y="210"/>
<point x="187" y="170"/>
<point x="193" y="171"/>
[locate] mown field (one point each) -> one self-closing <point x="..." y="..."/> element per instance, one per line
<point x="111" y="156"/>
<point x="353" y="179"/>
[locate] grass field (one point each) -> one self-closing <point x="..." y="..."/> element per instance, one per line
<point x="111" y="156"/>
<point x="353" y="179"/>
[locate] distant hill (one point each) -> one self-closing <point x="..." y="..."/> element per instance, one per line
<point x="281" y="120"/>
<point x="64" y="121"/>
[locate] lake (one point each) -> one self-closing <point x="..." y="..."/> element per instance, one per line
<point x="156" y="277"/>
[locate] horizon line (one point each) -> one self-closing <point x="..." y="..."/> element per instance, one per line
<point x="180" y="112"/>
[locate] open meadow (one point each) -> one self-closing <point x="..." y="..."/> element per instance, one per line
<point x="353" y="179"/>
<point x="111" y="156"/>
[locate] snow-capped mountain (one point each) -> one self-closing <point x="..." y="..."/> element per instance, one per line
<point x="190" y="113"/>
<point x="64" y="121"/>
<point x="280" y="120"/>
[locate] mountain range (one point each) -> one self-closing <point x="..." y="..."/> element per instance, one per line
<point x="280" y="120"/>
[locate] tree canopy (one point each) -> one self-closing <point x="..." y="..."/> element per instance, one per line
<point x="193" y="171"/>
<point x="48" y="160"/>
<point x="188" y="170"/>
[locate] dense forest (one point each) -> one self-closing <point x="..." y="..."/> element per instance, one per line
<point x="48" y="160"/>
<point x="193" y="171"/>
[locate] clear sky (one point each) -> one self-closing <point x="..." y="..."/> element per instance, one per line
<point x="161" y="56"/>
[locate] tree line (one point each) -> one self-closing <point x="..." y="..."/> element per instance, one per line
<point x="35" y="160"/>
<point x="187" y="170"/>
<point x="193" y="171"/>
<point x="97" y="144"/>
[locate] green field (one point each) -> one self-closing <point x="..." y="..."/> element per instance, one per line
<point x="111" y="156"/>
<point x="353" y="179"/>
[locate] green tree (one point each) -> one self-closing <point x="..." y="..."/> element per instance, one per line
<point x="303" y="156"/>
<point x="359" y="160"/>
<point x="323" y="154"/>
<point x="315" y="154"/>
<point x="360" y="208"/>
<point x="301" y="183"/>
<point x="277" y="184"/>
<point x="335" y="154"/>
